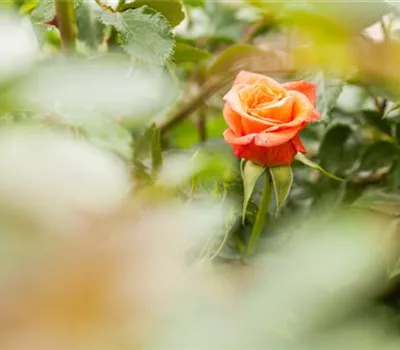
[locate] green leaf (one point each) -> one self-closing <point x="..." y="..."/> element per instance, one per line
<point x="194" y="3"/>
<point x="303" y="159"/>
<point x="172" y="10"/>
<point x="244" y="57"/>
<point x="45" y="11"/>
<point x="328" y="91"/>
<point x="185" y="53"/>
<point x="375" y="119"/>
<point x="184" y="135"/>
<point x="89" y="28"/>
<point x="282" y="179"/>
<point x="390" y="111"/>
<point x="339" y="149"/>
<point x="250" y="174"/>
<point x="146" y="35"/>
<point x="156" y="150"/>
<point x="379" y="155"/>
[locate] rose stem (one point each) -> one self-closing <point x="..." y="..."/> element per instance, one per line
<point x="65" y="13"/>
<point x="261" y="216"/>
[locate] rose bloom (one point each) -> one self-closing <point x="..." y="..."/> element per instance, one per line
<point x="265" y="118"/>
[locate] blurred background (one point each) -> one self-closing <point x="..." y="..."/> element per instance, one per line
<point x="121" y="223"/>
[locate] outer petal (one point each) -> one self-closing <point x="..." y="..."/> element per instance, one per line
<point x="298" y="144"/>
<point x="306" y="88"/>
<point x="303" y="113"/>
<point x="280" y="155"/>
<point x="233" y="139"/>
<point x="248" y="78"/>
<point x="303" y="109"/>
<point x="233" y="119"/>
<point x="274" y="139"/>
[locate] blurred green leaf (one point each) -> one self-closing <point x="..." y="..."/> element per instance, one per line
<point x="250" y="174"/>
<point x="172" y="10"/>
<point x="378" y="155"/>
<point x="390" y="111"/>
<point x="146" y="35"/>
<point x="194" y="3"/>
<point x="303" y="159"/>
<point x="338" y="150"/>
<point x="89" y="27"/>
<point x="185" y="53"/>
<point x="375" y="119"/>
<point x="216" y="126"/>
<point x="184" y="135"/>
<point x="44" y="11"/>
<point x="328" y="91"/>
<point x="244" y="57"/>
<point x="310" y="14"/>
<point x="282" y="179"/>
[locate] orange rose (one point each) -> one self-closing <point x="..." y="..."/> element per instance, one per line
<point x="265" y="118"/>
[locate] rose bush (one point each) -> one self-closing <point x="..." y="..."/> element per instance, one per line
<point x="265" y="118"/>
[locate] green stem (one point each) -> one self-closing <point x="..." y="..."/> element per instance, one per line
<point x="261" y="216"/>
<point x="66" y="22"/>
<point x="105" y="7"/>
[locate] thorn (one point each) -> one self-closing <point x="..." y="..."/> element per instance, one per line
<point x="52" y="22"/>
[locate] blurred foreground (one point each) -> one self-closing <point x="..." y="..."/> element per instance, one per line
<point x="86" y="269"/>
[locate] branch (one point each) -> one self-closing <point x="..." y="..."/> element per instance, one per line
<point x="66" y="23"/>
<point x="208" y="89"/>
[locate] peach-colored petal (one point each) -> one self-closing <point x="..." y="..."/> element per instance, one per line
<point x="257" y="94"/>
<point x="280" y="155"/>
<point x="273" y="139"/>
<point x="233" y="98"/>
<point x="303" y="109"/>
<point x="233" y="139"/>
<point x="248" y="78"/>
<point x="306" y="88"/>
<point x="249" y="124"/>
<point x="297" y="124"/>
<point x="255" y="125"/>
<point x="280" y="111"/>
<point x="233" y="119"/>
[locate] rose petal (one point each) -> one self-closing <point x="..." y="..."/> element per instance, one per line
<point x="248" y="78"/>
<point x="303" y="109"/>
<point x="233" y="139"/>
<point x="280" y="155"/>
<point x="294" y="124"/>
<point x="280" y="111"/>
<point x="303" y="112"/>
<point x="298" y="144"/>
<point x="233" y="119"/>
<point x="306" y="88"/>
<point x="273" y="139"/>
<point x="249" y="124"/>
